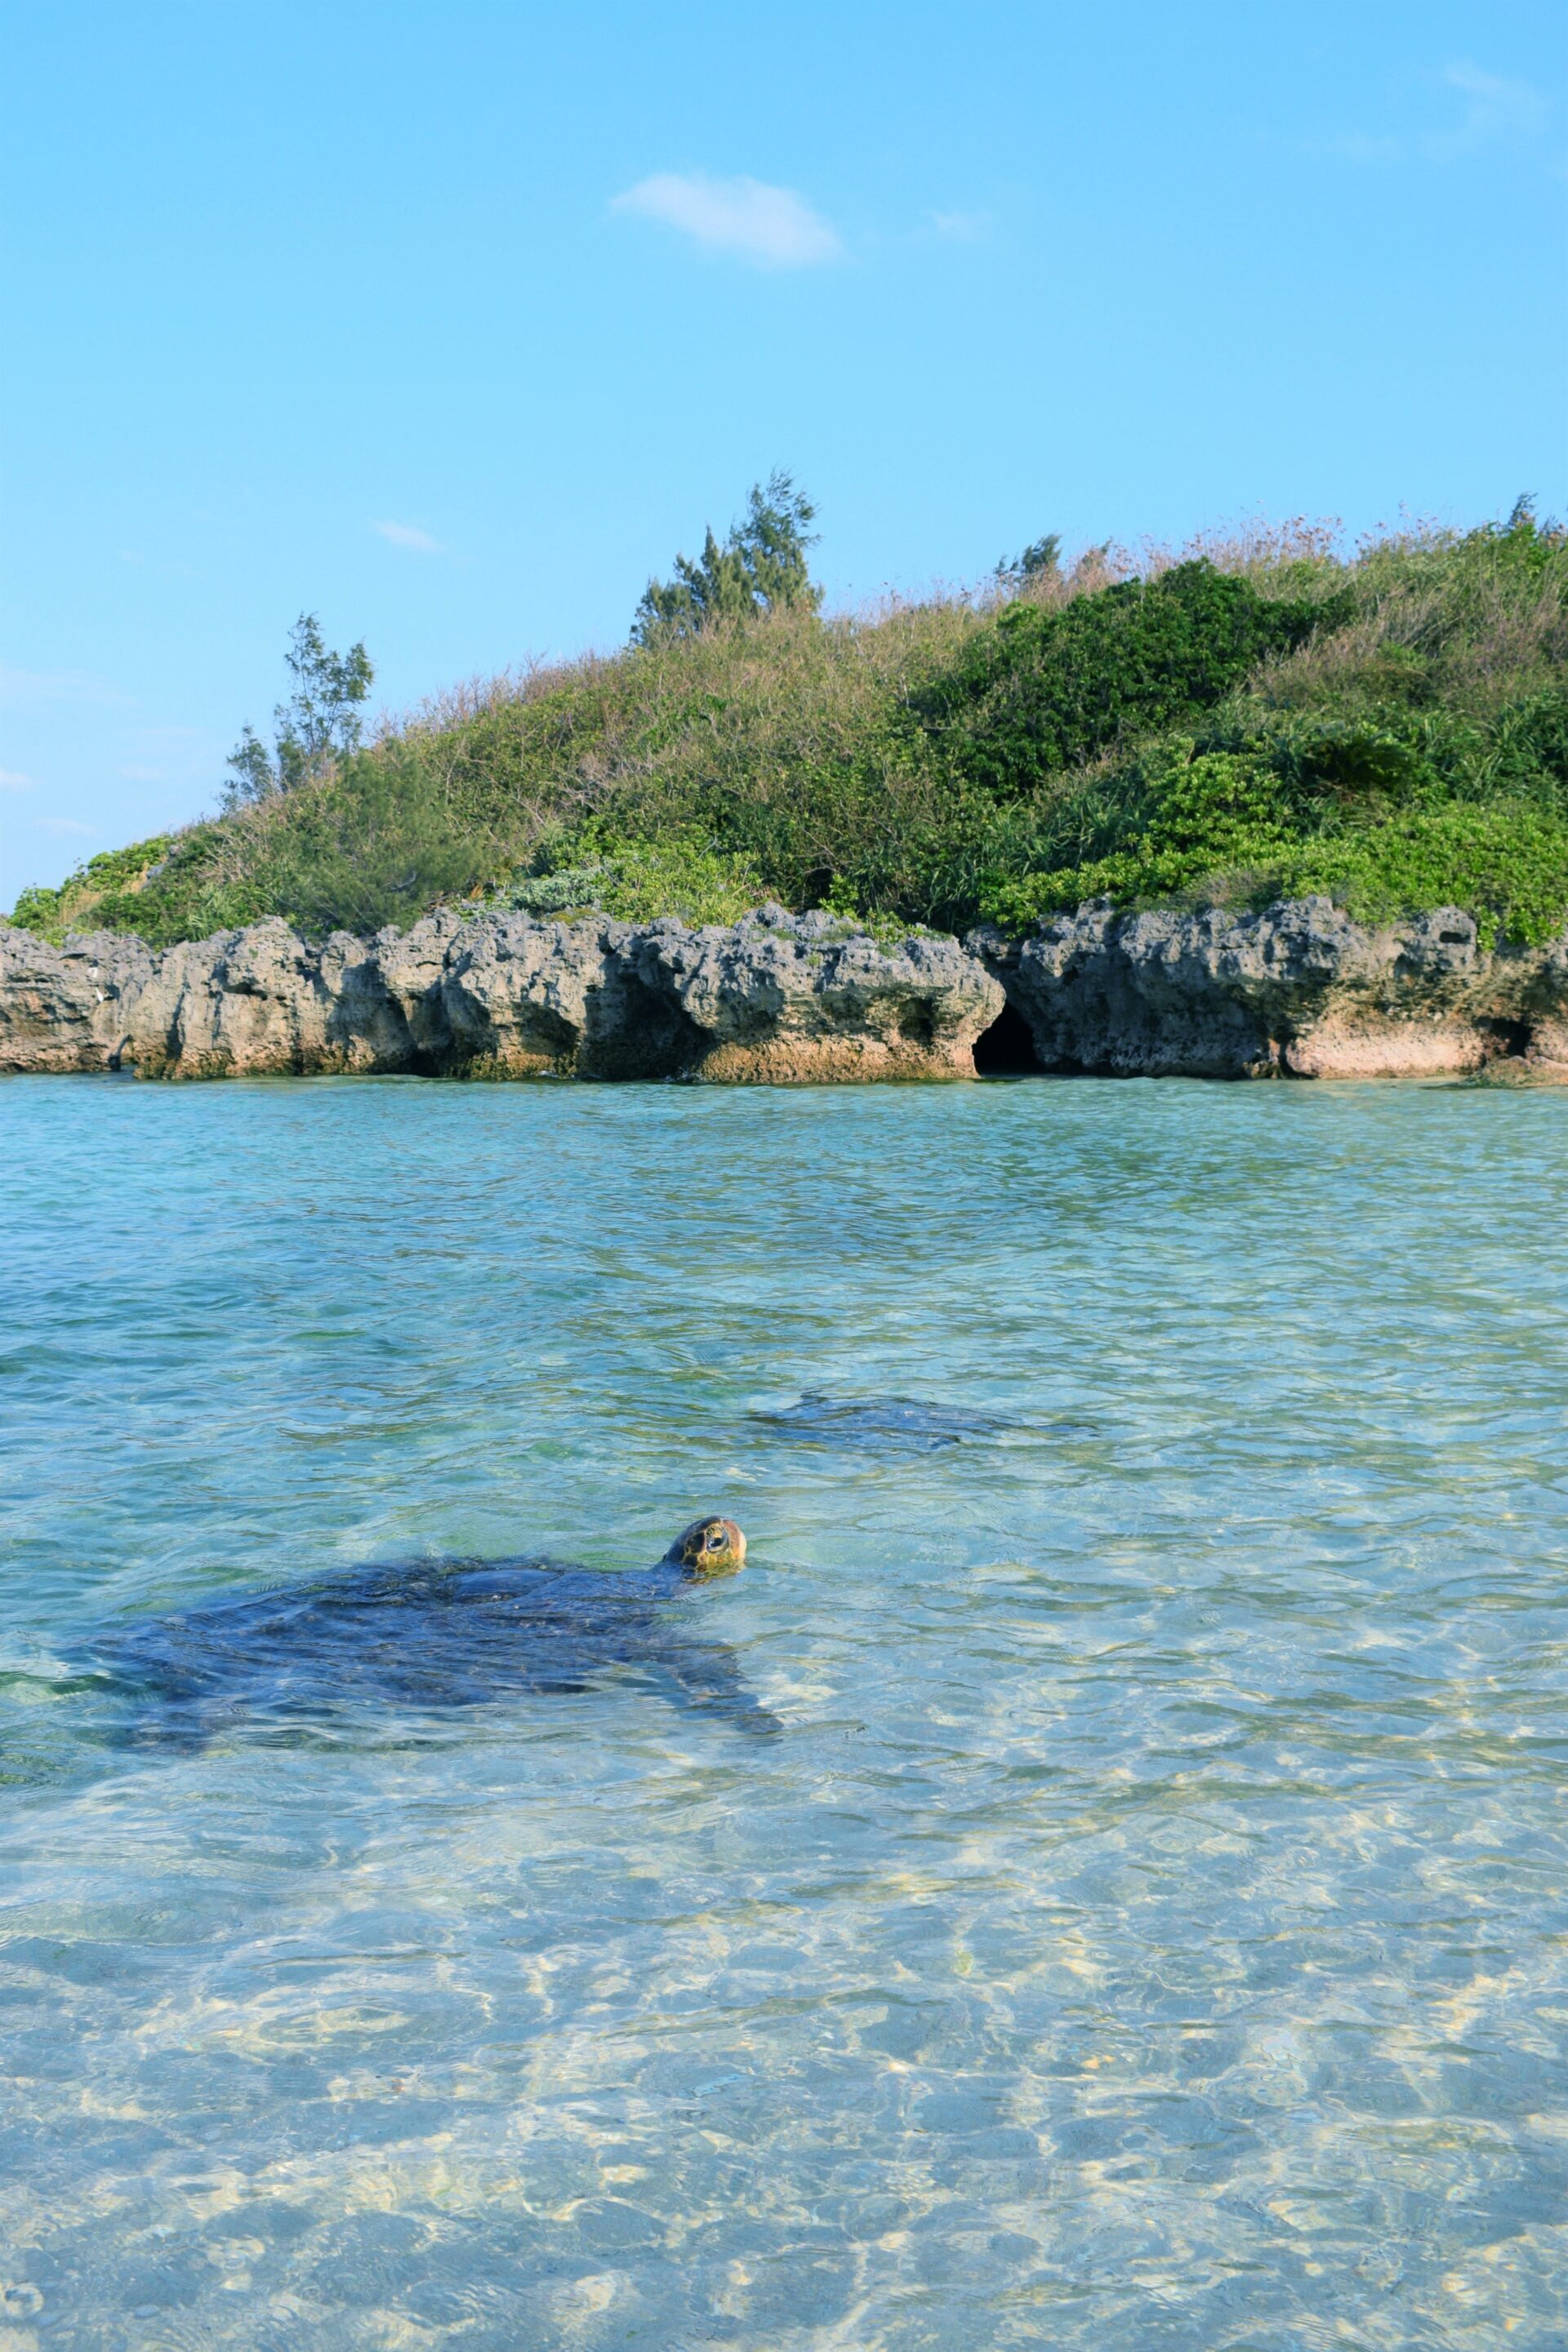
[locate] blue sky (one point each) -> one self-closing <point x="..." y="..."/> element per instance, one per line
<point x="452" y="321"/>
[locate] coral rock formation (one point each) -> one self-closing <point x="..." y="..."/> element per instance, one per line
<point x="777" y="998"/>
<point x="1295" y="990"/>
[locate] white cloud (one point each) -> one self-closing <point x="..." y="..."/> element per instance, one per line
<point x="1496" y="107"/>
<point x="772" y="226"/>
<point x="402" y="534"/>
<point x="11" y="782"/>
<point x="1366" y="147"/>
<point x="959" y="228"/>
<point x="63" y="825"/>
<point x="27" y="688"/>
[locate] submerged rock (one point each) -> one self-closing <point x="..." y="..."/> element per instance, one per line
<point x="777" y="999"/>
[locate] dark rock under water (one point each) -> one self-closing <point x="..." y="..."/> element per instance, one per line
<point x="425" y="1637"/>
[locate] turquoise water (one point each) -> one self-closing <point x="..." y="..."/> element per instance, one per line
<point x="1147" y="1930"/>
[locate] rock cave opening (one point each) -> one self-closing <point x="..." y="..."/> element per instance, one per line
<point x="1509" y="1040"/>
<point x="635" y="1031"/>
<point x="1007" y="1050"/>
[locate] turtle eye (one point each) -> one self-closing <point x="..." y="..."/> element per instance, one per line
<point x="716" y="1539"/>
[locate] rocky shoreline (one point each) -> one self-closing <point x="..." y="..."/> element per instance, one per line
<point x="775" y="999"/>
<point x="1297" y="990"/>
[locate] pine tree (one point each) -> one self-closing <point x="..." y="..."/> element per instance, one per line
<point x="759" y="568"/>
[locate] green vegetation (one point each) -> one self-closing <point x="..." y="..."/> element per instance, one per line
<point x="762" y="568"/>
<point x="1046" y="691"/>
<point x="108" y="885"/>
<point x="678" y="872"/>
<point x="1263" y="717"/>
<point x="315" y="729"/>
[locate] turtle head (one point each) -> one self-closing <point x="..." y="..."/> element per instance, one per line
<point x="710" y="1547"/>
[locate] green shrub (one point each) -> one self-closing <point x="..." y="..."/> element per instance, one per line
<point x="1354" y="760"/>
<point x="1215" y="812"/>
<point x="1222" y="832"/>
<point x="1508" y="866"/>
<point x="1043" y="690"/>
<point x="678" y="872"/>
<point x="37" y="909"/>
<point x="97" y="894"/>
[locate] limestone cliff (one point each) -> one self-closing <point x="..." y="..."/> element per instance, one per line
<point x="776" y="998"/>
<point x="1295" y="990"/>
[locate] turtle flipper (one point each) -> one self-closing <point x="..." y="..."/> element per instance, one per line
<point x="706" y="1679"/>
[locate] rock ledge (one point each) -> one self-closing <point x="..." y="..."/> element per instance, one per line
<point x="775" y="999"/>
<point x="1297" y="990"/>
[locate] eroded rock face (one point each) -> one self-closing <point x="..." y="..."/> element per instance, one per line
<point x="775" y="999"/>
<point x="785" y="997"/>
<point x="1297" y="989"/>
<point x="65" y="1008"/>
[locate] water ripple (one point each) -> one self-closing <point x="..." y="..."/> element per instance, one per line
<point x="1148" y="1928"/>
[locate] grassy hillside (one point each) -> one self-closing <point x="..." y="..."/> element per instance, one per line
<point x="1261" y="717"/>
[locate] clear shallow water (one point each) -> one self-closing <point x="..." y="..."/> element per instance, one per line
<point x="1149" y="1929"/>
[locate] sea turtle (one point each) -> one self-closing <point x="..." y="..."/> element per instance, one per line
<point x="426" y="1636"/>
<point x="879" y="1424"/>
<point x="898" y="1425"/>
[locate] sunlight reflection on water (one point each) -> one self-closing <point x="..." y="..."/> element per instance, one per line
<point x="1149" y="1929"/>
